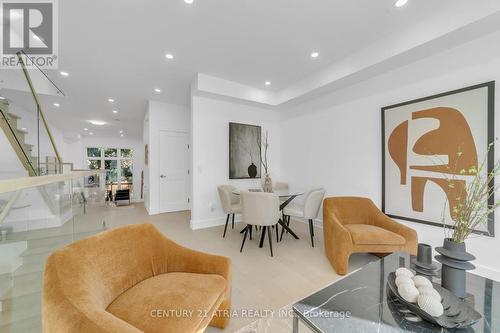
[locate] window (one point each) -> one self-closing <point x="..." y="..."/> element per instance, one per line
<point x="110" y="152"/>
<point x="118" y="164"/>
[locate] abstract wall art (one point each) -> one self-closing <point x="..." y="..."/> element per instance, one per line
<point x="244" y="151"/>
<point x="431" y="147"/>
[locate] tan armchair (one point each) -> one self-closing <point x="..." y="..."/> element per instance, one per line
<point x="132" y="280"/>
<point x="352" y="224"/>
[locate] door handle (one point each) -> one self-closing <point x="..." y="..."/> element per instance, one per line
<point x="162" y="176"/>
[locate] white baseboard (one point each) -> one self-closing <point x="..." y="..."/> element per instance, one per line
<point x="209" y="223"/>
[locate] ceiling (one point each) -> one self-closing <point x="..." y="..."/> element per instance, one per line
<point x="116" y="49"/>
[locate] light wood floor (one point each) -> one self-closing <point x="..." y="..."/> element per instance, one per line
<point x="260" y="282"/>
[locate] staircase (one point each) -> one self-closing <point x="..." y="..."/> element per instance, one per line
<point x="38" y="218"/>
<point x="17" y="138"/>
<point x="20" y="301"/>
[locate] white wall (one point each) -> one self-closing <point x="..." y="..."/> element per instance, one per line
<point x="160" y="117"/>
<point x="210" y="120"/>
<point x="335" y="140"/>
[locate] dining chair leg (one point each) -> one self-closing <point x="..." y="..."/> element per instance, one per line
<point x="262" y="235"/>
<point x="277" y="233"/>
<point x="269" y="232"/>
<point x="311" y="231"/>
<point x="233" y="221"/>
<point x="250" y="229"/>
<point x="282" y="233"/>
<point x="225" y="228"/>
<point x="244" y="239"/>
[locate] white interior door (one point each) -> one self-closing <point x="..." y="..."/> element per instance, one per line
<point x="174" y="171"/>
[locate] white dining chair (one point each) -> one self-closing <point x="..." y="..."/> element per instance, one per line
<point x="230" y="203"/>
<point x="308" y="209"/>
<point x="260" y="209"/>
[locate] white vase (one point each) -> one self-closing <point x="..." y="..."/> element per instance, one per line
<point x="267" y="183"/>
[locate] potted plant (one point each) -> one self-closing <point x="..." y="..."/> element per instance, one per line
<point x="472" y="208"/>
<point x="267" y="185"/>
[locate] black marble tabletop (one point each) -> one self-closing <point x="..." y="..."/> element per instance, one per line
<point x="360" y="303"/>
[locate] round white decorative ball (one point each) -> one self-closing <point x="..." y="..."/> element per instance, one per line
<point x="430" y="291"/>
<point x="404" y="279"/>
<point x="408" y="292"/>
<point x="430" y="305"/>
<point x="403" y="271"/>
<point x="421" y="281"/>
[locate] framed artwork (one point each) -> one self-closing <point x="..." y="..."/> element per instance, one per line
<point x="244" y="151"/>
<point x="429" y="146"/>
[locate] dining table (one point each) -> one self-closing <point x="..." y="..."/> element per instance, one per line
<point x="286" y="196"/>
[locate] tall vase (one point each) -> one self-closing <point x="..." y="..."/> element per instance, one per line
<point x="455" y="263"/>
<point x="268" y="184"/>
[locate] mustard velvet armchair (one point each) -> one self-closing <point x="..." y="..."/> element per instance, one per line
<point x="132" y="279"/>
<point x="353" y="225"/>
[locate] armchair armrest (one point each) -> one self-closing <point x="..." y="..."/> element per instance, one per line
<point x="338" y="241"/>
<point x="182" y="259"/>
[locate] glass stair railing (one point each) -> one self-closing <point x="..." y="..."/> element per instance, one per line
<point x="24" y="123"/>
<point x="53" y="210"/>
<point x="30" y="231"/>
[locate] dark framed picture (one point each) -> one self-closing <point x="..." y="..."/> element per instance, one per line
<point x="430" y="148"/>
<point x="244" y="151"/>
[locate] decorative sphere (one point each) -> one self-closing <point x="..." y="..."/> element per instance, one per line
<point x="408" y="292"/>
<point x="404" y="279"/>
<point x="430" y="305"/>
<point x="403" y="271"/>
<point x="430" y="291"/>
<point x="421" y="281"/>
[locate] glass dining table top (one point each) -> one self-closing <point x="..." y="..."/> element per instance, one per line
<point x="279" y="193"/>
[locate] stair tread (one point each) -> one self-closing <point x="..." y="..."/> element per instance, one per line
<point x="26" y="298"/>
<point x="20" y="130"/>
<point x="24" y="285"/>
<point x="15" y="315"/>
<point x="13" y="115"/>
<point x="28" y="325"/>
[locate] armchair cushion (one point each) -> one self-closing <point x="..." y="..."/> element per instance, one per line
<point x="171" y="302"/>
<point x="365" y="234"/>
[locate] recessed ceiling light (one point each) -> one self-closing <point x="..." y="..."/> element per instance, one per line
<point x="157" y="90"/>
<point x="169" y="56"/>
<point x="268" y="83"/>
<point x="121" y="132"/>
<point x="64" y="73"/>
<point x="400" y="3"/>
<point x="314" y="54"/>
<point x="85" y="129"/>
<point x="23" y="128"/>
<point x="189" y="1"/>
<point x="91" y="133"/>
<point x="115" y="111"/>
<point x="111" y="100"/>
<point x="57" y="105"/>
<point x="97" y="122"/>
<point x="121" y="135"/>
